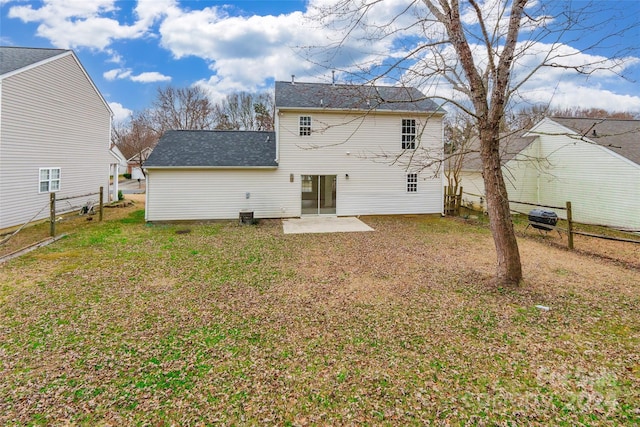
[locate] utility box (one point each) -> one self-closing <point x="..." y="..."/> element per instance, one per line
<point x="246" y="217"/>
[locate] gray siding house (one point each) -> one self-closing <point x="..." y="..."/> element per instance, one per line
<point x="337" y="150"/>
<point x="54" y="133"/>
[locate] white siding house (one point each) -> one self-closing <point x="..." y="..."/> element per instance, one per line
<point x="54" y="133"/>
<point x="336" y="150"/>
<point x="592" y="163"/>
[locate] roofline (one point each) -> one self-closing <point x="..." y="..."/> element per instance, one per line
<point x="583" y="138"/>
<point x="36" y="64"/>
<point x="353" y="110"/>
<point x="210" y="167"/>
<point x="55" y="58"/>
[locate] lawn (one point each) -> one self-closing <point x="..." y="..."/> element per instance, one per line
<point x="127" y="323"/>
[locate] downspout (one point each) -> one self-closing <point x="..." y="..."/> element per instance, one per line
<point x="277" y="132"/>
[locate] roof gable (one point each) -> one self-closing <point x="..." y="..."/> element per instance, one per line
<point x="15" y="58"/>
<point x="207" y="148"/>
<point x="352" y="97"/>
<point x="620" y="136"/>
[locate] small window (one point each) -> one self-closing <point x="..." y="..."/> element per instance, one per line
<point x="49" y="180"/>
<point x="412" y="182"/>
<point x="408" y="134"/>
<point x="305" y="125"/>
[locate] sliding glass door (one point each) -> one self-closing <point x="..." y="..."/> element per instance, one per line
<point x="318" y="194"/>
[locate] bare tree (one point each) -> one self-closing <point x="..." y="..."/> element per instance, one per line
<point x="472" y="47"/>
<point x="245" y="111"/>
<point x="459" y="133"/>
<point x="182" y="108"/>
<point x="136" y="139"/>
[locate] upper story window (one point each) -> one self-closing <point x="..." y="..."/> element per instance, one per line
<point x="49" y="180"/>
<point x="408" y="134"/>
<point x="305" y="125"/>
<point x="412" y="182"/>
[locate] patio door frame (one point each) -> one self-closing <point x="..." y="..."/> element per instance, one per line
<point x="324" y="201"/>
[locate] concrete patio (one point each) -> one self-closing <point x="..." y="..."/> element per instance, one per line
<point x="323" y="224"/>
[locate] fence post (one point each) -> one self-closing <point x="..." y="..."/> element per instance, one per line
<point x="570" y="225"/>
<point x="52" y="214"/>
<point x="101" y="202"/>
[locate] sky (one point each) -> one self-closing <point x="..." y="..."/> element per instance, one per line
<point x="131" y="48"/>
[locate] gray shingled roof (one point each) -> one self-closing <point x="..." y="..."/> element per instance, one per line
<point x="208" y="148"/>
<point x="510" y="145"/>
<point x="14" y="58"/>
<point x="361" y="97"/>
<point x="620" y="136"/>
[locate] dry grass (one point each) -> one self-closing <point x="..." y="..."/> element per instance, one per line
<point x="123" y="323"/>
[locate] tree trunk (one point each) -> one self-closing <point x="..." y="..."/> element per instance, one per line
<point x="509" y="269"/>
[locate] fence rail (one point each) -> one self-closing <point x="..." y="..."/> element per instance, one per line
<point x="52" y="208"/>
<point x="570" y="230"/>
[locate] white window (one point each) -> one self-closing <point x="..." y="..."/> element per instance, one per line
<point x="49" y="180"/>
<point x="412" y="182"/>
<point x="305" y="125"/>
<point x="408" y="134"/>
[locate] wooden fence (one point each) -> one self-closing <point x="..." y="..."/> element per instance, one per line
<point x="453" y="202"/>
<point x="52" y="208"/>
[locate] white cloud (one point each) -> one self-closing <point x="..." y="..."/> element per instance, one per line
<point x="120" y="113"/>
<point x="244" y="52"/>
<point x="80" y="23"/>
<point x="147" y="77"/>
<point x="150" y="77"/>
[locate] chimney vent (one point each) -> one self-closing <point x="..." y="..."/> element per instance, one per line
<point x="293" y="79"/>
<point x="333" y="77"/>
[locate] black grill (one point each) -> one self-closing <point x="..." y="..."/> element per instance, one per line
<point x="543" y="220"/>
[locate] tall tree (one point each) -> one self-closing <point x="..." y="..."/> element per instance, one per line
<point x="245" y="111"/>
<point x="472" y="47"/>
<point x="182" y="108"/>
<point x="136" y="139"/>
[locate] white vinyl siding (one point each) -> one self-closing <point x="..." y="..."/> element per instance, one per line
<point x="203" y="194"/>
<point x="364" y="146"/>
<point x="350" y="144"/>
<point x="50" y="115"/>
<point x="601" y="185"/>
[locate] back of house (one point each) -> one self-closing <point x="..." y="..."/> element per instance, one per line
<point x="54" y="134"/>
<point x="337" y="150"/>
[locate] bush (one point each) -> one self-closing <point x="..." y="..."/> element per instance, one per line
<point x="120" y="195"/>
<point x="127" y="175"/>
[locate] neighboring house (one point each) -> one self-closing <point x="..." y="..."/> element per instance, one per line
<point x="593" y="163"/>
<point x="136" y="163"/>
<point x="120" y="159"/>
<point x="118" y="168"/>
<point x="54" y="133"/>
<point x="336" y="150"/>
<point x="514" y="153"/>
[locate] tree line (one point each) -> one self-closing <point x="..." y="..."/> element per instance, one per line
<point x="190" y="108"/>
